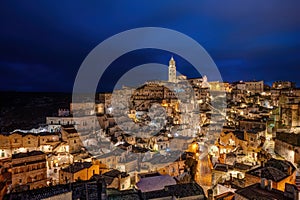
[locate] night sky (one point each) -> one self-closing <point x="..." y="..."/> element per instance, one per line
<point x="42" y="43"/>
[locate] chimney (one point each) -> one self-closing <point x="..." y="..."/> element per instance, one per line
<point x="263" y="183"/>
<point x="269" y="186"/>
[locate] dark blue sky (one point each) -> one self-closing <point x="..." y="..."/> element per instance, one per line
<point x="42" y="44"/>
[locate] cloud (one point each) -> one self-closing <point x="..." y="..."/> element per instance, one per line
<point x="246" y="38"/>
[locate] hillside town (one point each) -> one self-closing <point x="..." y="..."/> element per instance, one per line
<point x="184" y="138"/>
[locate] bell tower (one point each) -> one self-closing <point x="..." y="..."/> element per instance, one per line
<point x="172" y="70"/>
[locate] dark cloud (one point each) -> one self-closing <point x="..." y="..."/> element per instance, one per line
<point x="42" y="44"/>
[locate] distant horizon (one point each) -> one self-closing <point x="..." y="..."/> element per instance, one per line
<point x="70" y="92"/>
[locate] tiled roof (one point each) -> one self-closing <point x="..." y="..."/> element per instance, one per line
<point x="242" y="166"/>
<point x="27" y="154"/>
<point x="274" y="170"/>
<point x="80" y="190"/>
<point x="77" y="166"/>
<point x="114" y="194"/>
<point x="40" y="193"/>
<point x="221" y="167"/>
<point x="178" y="191"/>
<point x="290" y="138"/>
<point x="115" y="173"/>
<point x="256" y="192"/>
<point x="282" y="165"/>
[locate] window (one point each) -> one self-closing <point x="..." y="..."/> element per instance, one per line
<point x="20" y="180"/>
<point x="28" y="142"/>
<point x="16" y="140"/>
<point x="74" y="141"/>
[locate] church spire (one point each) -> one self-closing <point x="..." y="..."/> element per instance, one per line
<point x="172" y="61"/>
<point x="172" y="70"/>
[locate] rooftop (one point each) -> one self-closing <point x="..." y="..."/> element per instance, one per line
<point x="274" y="170"/>
<point x="114" y="194"/>
<point x="256" y="192"/>
<point x="27" y="154"/>
<point x="79" y="191"/>
<point x="290" y="138"/>
<point x="77" y="166"/>
<point x="178" y="191"/>
<point x="153" y="183"/>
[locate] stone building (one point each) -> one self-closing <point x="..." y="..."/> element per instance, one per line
<point x="70" y="135"/>
<point x="255" y="86"/>
<point x="5" y="180"/>
<point x="29" y="170"/>
<point x="82" y="123"/>
<point x="116" y="179"/>
<point x="170" y="164"/>
<point x="233" y="173"/>
<point x="290" y="114"/>
<point x="264" y="191"/>
<point x="78" y="171"/>
<point x="249" y="124"/>
<point x="283" y="85"/>
<point x="21" y="142"/>
<point x="287" y="145"/>
<point x="276" y="172"/>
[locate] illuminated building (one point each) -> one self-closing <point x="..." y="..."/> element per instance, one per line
<point x="287" y="145"/>
<point x="172" y="71"/>
<point x="78" y="171"/>
<point x="276" y="172"/>
<point x="29" y="170"/>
